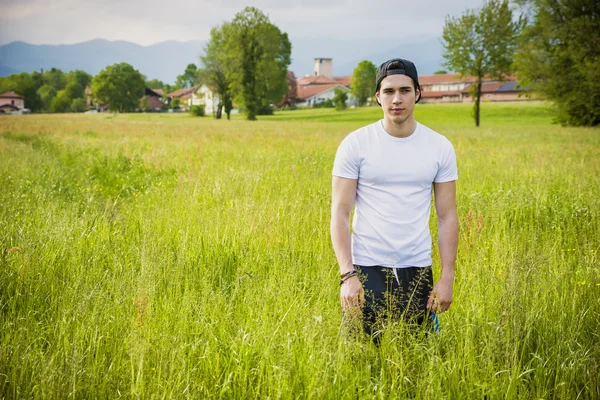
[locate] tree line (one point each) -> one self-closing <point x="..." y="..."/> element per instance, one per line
<point x="50" y="91"/>
<point x="551" y="47"/>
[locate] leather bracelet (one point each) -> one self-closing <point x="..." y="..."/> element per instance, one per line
<point x="347" y="276"/>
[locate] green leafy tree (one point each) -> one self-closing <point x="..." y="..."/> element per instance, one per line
<point x="75" y="89"/>
<point x="144" y="104"/>
<point x="213" y="71"/>
<point x="155" y="84"/>
<point x="482" y="43"/>
<point x="62" y="102"/>
<point x="78" y="105"/>
<point x="119" y="86"/>
<point x="339" y="98"/>
<point x="258" y="56"/>
<point x="80" y="77"/>
<point x="27" y="85"/>
<point x="440" y="72"/>
<point x="559" y="57"/>
<point x="188" y="78"/>
<point x="176" y="103"/>
<point x="46" y="94"/>
<point x="363" y="81"/>
<point x="55" y="78"/>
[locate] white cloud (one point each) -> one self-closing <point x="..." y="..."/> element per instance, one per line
<point x="146" y="22"/>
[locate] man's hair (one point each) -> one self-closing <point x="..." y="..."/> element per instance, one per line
<point x="398" y="66"/>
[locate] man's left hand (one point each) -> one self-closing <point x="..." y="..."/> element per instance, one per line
<point x="440" y="297"/>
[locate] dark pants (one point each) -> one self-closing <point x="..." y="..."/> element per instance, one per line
<point x="395" y="294"/>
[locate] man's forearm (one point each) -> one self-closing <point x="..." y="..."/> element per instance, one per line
<point x="340" y="238"/>
<point x="448" y="244"/>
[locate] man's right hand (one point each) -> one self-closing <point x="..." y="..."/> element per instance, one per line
<point x="352" y="293"/>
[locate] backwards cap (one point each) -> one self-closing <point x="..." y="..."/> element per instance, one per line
<point x="398" y="66"/>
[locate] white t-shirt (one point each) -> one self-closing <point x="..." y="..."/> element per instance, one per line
<point x="393" y="196"/>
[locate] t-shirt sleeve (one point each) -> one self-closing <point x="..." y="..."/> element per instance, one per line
<point x="448" y="170"/>
<point x="346" y="164"/>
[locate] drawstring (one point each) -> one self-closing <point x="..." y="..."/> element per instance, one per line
<point x="395" y="269"/>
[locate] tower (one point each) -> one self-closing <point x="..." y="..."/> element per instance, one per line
<point x="324" y="67"/>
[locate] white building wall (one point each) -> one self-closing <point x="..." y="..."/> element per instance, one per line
<point x="328" y="94"/>
<point x="19" y="103"/>
<point x="204" y="96"/>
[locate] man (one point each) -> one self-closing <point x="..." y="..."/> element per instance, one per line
<point x="387" y="170"/>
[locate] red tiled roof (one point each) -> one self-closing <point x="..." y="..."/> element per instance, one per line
<point x="343" y="80"/>
<point x="11" y="95"/>
<point x="310" y="91"/>
<point x="486" y="87"/>
<point x="433" y="94"/>
<point x="316" y="80"/>
<point x="443" y="78"/>
<point x="158" y="91"/>
<point x="6" y="107"/>
<point x="183" y="92"/>
<point x="452" y="78"/>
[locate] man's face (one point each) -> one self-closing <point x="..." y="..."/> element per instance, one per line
<point x="397" y="97"/>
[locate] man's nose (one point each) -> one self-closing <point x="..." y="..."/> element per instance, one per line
<point x="397" y="97"/>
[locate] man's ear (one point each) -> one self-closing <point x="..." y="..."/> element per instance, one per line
<point x="418" y="95"/>
<point x="377" y="98"/>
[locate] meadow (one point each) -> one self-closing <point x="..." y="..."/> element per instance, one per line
<point x="166" y="256"/>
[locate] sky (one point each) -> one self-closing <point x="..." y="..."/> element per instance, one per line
<point x="148" y="22"/>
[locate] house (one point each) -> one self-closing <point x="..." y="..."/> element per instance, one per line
<point x="451" y="88"/>
<point x="184" y="95"/>
<point x="313" y="90"/>
<point x="154" y="99"/>
<point x="310" y="96"/>
<point x="499" y="91"/>
<point x="203" y="95"/>
<point x="11" y="102"/>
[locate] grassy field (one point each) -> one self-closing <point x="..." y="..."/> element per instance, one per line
<point x="165" y="256"/>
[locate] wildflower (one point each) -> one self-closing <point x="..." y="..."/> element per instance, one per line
<point x="581" y="283"/>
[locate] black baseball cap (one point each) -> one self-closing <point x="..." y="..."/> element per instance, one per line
<point x="398" y="66"/>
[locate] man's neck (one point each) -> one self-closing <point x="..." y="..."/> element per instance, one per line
<point x="400" y="130"/>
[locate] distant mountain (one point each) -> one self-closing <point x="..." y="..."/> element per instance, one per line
<point x="166" y="60"/>
<point x="163" y="61"/>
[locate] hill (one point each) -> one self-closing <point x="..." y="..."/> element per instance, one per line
<point x="166" y="60"/>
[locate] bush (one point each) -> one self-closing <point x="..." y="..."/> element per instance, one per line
<point x="78" y="105"/>
<point x="328" y="103"/>
<point x="144" y="104"/>
<point x="340" y="98"/>
<point x="265" y="110"/>
<point x="198" y="111"/>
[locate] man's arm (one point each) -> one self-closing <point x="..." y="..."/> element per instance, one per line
<point x="343" y="198"/>
<point x="445" y="206"/>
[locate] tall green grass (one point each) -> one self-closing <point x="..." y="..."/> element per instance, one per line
<point x="164" y="256"/>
